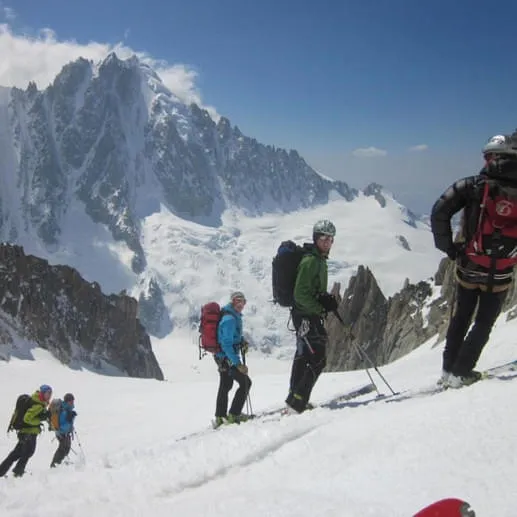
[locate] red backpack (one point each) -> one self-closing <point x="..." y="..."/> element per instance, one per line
<point x="494" y="245"/>
<point x="211" y="315"/>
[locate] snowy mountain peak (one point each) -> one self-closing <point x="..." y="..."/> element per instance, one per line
<point x="385" y="197"/>
<point x="107" y="171"/>
<point x="111" y="137"/>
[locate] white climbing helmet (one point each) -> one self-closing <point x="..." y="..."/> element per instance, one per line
<point x="324" y="227"/>
<point x="501" y="144"/>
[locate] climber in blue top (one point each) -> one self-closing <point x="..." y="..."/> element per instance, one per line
<point x="66" y="428"/>
<point x="230" y="365"/>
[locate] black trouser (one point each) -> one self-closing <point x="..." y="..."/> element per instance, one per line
<point x="309" y="360"/>
<point x="21" y="454"/>
<point x="63" y="449"/>
<point x="461" y="354"/>
<point x="227" y="375"/>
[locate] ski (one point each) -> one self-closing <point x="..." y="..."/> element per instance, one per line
<point x="329" y="404"/>
<point x="335" y="402"/>
<point x="277" y="413"/>
<point x="496" y="371"/>
<point x="450" y="507"/>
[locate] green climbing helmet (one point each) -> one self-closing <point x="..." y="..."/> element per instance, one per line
<point x="324" y="227"/>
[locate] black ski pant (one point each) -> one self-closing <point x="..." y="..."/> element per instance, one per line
<point x="227" y="375"/>
<point x="462" y="353"/>
<point x="63" y="449"/>
<point x="21" y="454"/>
<point x="309" y="360"/>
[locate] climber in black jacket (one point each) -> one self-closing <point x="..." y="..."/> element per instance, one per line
<point x="485" y="252"/>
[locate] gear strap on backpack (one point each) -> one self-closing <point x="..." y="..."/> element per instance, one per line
<point x="494" y="244"/>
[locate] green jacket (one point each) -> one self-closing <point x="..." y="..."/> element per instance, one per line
<point x="32" y="416"/>
<point x="311" y="280"/>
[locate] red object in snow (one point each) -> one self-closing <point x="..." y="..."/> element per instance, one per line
<point x="447" y="508"/>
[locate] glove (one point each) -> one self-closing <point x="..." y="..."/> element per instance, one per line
<point x="328" y="301"/>
<point x="70" y="416"/>
<point x="44" y="415"/>
<point x="242" y="368"/>
<point x="456" y="250"/>
<point x="244" y="346"/>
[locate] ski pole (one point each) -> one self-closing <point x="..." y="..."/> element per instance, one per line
<point x="357" y="351"/>
<point x="249" y="409"/>
<point x="365" y="356"/>
<point x="79" y="444"/>
<point x="368" y="359"/>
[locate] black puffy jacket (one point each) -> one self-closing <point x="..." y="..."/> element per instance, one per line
<point x="467" y="194"/>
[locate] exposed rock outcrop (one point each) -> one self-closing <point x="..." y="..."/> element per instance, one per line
<point x="55" y="308"/>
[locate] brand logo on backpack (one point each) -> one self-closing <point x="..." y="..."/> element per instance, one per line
<point x="504" y="208"/>
<point x="494" y="245"/>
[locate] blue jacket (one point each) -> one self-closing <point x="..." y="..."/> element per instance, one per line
<point x="229" y="335"/>
<point x="66" y="418"/>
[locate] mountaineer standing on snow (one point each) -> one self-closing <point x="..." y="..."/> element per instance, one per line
<point x="485" y="254"/>
<point x="65" y="429"/>
<point x="311" y="305"/>
<point x="230" y="365"/>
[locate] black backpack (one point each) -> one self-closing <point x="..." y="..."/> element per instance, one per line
<point x="285" y="269"/>
<point x="23" y="403"/>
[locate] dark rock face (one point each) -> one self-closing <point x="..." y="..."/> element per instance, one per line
<point x="54" y="307"/>
<point x="390" y="328"/>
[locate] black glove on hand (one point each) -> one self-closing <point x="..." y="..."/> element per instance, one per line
<point x="328" y="301"/>
<point x="456" y="250"/>
<point x="70" y="416"/>
<point x="44" y="415"/>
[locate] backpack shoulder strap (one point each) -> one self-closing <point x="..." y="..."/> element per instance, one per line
<point x="482" y="207"/>
<point x="224" y="312"/>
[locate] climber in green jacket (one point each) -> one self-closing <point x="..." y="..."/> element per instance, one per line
<point x="312" y="302"/>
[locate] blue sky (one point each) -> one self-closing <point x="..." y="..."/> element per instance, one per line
<point x="332" y="76"/>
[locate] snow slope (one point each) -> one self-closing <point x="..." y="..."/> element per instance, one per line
<point x="364" y="458"/>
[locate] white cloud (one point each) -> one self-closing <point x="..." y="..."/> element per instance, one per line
<point x="369" y="152"/>
<point x="39" y="58"/>
<point x="419" y="148"/>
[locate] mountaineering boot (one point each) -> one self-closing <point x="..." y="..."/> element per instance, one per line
<point x="296" y="403"/>
<point x="457" y="381"/>
<point x="219" y="421"/>
<point x="444" y="379"/>
<point x="237" y="419"/>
